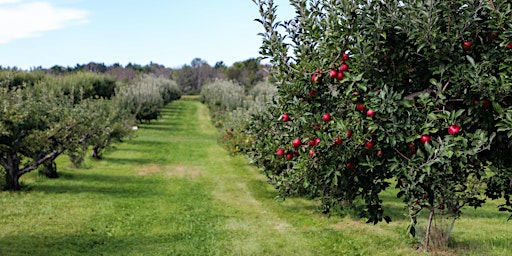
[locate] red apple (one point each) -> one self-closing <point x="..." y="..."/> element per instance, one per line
<point x="317" y="141"/>
<point x="350" y="166"/>
<point x="413" y="148"/>
<point x="343" y="67"/>
<point x="312" y="93"/>
<point x="349" y="133"/>
<point x="441" y="207"/>
<point x="454" y="129"/>
<point x="467" y="45"/>
<point x="333" y="73"/>
<point x="425" y="139"/>
<point x="311" y="153"/>
<point x="493" y="36"/>
<point x="297" y="142"/>
<point x="370" y="113"/>
<point x="280" y="152"/>
<point x="509" y="46"/>
<point x="369" y="144"/>
<point x="340" y="76"/>
<point x="360" y="107"/>
<point x="316" y="78"/>
<point x="379" y="153"/>
<point x="345" y="57"/>
<point x="337" y="140"/>
<point x="289" y="156"/>
<point x="486" y="103"/>
<point x="312" y="143"/>
<point x="285" y="117"/>
<point x="386" y="57"/>
<point x="326" y="117"/>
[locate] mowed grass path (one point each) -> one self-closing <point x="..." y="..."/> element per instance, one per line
<point x="173" y="190"/>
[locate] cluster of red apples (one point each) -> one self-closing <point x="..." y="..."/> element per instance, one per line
<point x="339" y="74"/>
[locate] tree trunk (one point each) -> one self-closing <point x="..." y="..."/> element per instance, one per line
<point x="429" y="226"/>
<point x="96" y="153"/>
<point x="11" y="164"/>
<point x="13" y="180"/>
<point x="49" y="169"/>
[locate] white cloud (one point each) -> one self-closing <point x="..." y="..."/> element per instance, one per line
<point x="9" y="1"/>
<point x="19" y="19"/>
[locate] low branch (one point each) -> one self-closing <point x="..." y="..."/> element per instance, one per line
<point x="400" y="153"/>
<point x="416" y="94"/>
<point x="52" y="155"/>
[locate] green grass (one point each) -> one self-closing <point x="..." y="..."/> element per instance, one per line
<point x="172" y="190"/>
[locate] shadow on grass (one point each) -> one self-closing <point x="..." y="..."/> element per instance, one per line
<point x="99" y="184"/>
<point x="394" y="207"/>
<point x="130" y="161"/>
<point x="487" y="246"/>
<point x="147" y="143"/>
<point x="103" y="242"/>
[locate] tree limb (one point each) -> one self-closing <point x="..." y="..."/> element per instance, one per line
<point x="52" y="155"/>
<point x="416" y="94"/>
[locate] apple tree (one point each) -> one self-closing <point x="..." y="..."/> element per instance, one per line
<point x="147" y="95"/>
<point x="372" y="91"/>
<point x="40" y="121"/>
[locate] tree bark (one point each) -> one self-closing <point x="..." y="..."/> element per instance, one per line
<point x="429" y="226"/>
<point x="96" y="153"/>
<point x="11" y="164"/>
<point x="50" y="169"/>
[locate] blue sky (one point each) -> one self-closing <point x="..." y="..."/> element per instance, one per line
<point x="45" y="33"/>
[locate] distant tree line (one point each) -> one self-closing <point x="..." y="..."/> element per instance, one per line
<point x="189" y="77"/>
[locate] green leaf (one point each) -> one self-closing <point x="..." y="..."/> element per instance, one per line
<point x="471" y="60"/>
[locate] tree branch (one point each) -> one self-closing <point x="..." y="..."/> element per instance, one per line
<point x="416" y="94"/>
<point x="400" y="153"/>
<point x="52" y="155"/>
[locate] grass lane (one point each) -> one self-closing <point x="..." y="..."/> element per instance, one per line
<point x="173" y="190"/>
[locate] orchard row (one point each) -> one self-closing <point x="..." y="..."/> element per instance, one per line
<point x="43" y="116"/>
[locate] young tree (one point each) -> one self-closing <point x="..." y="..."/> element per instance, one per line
<point x="417" y="91"/>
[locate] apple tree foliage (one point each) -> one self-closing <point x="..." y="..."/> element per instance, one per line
<point x="231" y="106"/>
<point x="147" y="95"/>
<point x="440" y="69"/>
<point x="42" y="117"/>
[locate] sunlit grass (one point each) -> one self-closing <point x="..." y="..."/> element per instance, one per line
<point x="172" y="190"/>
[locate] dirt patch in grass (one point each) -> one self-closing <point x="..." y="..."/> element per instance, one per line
<point x="183" y="171"/>
<point x="146" y="170"/>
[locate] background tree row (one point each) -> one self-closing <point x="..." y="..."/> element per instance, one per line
<point x="190" y="77"/>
